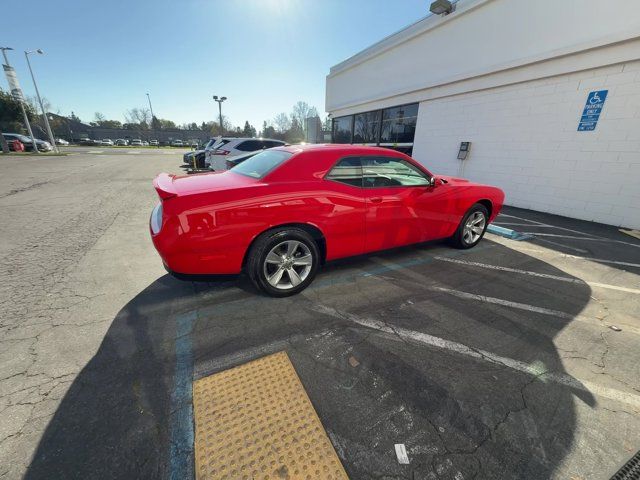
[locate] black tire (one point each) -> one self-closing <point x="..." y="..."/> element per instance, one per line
<point x="257" y="269"/>
<point x="458" y="239"/>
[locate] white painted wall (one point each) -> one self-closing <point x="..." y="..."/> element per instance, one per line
<point x="525" y="140"/>
<point x="485" y="37"/>
<point x="512" y="76"/>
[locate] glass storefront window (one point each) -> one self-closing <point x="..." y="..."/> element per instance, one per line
<point x="399" y="124"/>
<point x="366" y="127"/>
<point x="342" y="129"/>
<point x="393" y="127"/>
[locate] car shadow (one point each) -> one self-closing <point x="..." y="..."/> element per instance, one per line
<point x="596" y="242"/>
<point x="114" y="421"/>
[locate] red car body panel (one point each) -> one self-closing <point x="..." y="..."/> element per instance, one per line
<point x="210" y="220"/>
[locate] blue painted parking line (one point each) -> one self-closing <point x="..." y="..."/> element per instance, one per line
<point x="507" y="233"/>
<point x="181" y="451"/>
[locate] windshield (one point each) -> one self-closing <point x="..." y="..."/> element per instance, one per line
<point x="262" y="163"/>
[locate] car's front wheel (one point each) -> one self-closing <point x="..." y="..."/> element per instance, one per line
<point x="472" y="227"/>
<point x="283" y="261"/>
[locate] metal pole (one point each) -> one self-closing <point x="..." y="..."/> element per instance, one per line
<point x="220" y="112"/>
<point x="44" y="112"/>
<point x="24" y="112"/>
<point x="151" y="108"/>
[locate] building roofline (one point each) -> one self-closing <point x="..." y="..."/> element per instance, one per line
<point x="406" y="34"/>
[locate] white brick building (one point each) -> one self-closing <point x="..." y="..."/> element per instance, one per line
<point x="513" y="78"/>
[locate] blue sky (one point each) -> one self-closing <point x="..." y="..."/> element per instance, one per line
<point x="264" y="55"/>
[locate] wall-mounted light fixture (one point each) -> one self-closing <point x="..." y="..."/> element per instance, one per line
<point x="441" y="7"/>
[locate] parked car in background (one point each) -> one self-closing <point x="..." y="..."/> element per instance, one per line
<point x="215" y="158"/>
<point x="28" y="143"/>
<point x="107" y="141"/>
<point x="136" y="142"/>
<point x="145" y="143"/>
<point x="15" y="146"/>
<point x="188" y="159"/>
<point x="238" y="159"/>
<point x="121" y="142"/>
<point x="284" y="212"/>
<point x="61" y="141"/>
<point x="177" y="143"/>
<point x="153" y="143"/>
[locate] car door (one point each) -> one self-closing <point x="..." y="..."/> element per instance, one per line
<point x="344" y="223"/>
<point x="402" y="205"/>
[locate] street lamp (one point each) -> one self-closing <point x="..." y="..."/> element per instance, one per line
<point x="44" y="112"/>
<point x="152" y="117"/>
<point x="17" y="94"/>
<point x="220" y="100"/>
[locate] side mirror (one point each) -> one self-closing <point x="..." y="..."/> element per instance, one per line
<point x="432" y="181"/>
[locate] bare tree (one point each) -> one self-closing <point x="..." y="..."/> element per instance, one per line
<point x="282" y="122"/>
<point x="302" y="110"/>
<point x="33" y="101"/>
<point x="99" y="118"/>
<point x="139" y="116"/>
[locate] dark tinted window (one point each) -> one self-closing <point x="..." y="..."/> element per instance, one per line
<point x="366" y="127"/>
<point x="272" y="143"/>
<point x="391" y="172"/>
<point x="399" y="124"/>
<point x="342" y="129"/>
<point x="261" y="163"/>
<point x="249" y="145"/>
<point x="348" y="170"/>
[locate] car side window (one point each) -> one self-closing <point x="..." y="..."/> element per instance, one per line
<point x="347" y="170"/>
<point x="249" y="146"/>
<point x="391" y="172"/>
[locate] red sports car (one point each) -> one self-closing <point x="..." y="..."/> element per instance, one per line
<point x="282" y="213"/>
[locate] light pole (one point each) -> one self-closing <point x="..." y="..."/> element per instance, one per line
<point x="152" y="116"/>
<point x="44" y="112"/>
<point x="220" y="100"/>
<point x="17" y="94"/>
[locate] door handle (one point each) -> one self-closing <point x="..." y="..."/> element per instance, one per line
<point x="375" y="199"/>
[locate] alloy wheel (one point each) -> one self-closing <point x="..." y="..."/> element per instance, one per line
<point x="474" y="227"/>
<point x="288" y="264"/>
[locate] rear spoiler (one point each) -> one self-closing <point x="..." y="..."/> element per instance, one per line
<point x="163" y="184"/>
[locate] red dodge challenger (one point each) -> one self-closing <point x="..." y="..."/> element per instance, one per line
<point x="283" y="212"/>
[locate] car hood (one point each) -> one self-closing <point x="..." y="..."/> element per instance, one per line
<point x="169" y="186"/>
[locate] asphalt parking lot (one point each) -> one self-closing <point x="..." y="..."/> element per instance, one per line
<point x="516" y="359"/>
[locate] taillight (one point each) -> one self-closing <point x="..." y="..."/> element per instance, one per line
<point x="156" y="219"/>
<point x="219" y="151"/>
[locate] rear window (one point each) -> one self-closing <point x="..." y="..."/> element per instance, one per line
<point x="219" y="144"/>
<point x="249" y="146"/>
<point x="261" y="163"/>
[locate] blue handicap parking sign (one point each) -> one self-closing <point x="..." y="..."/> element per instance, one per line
<point x="591" y="111"/>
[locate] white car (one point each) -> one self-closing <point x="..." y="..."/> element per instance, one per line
<point x="216" y="154"/>
<point x="136" y="142"/>
<point x="60" y="141"/>
<point x="145" y="143"/>
<point x="107" y="141"/>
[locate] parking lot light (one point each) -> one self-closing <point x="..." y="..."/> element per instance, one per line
<point x="220" y="100"/>
<point x="17" y="94"/>
<point x="44" y="112"/>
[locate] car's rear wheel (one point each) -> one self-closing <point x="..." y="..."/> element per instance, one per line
<point x="283" y="261"/>
<point x="472" y="227"/>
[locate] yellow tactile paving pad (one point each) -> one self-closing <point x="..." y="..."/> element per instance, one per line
<point x="255" y="421"/>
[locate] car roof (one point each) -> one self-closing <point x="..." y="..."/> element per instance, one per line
<point x="253" y="138"/>
<point x="343" y="148"/>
